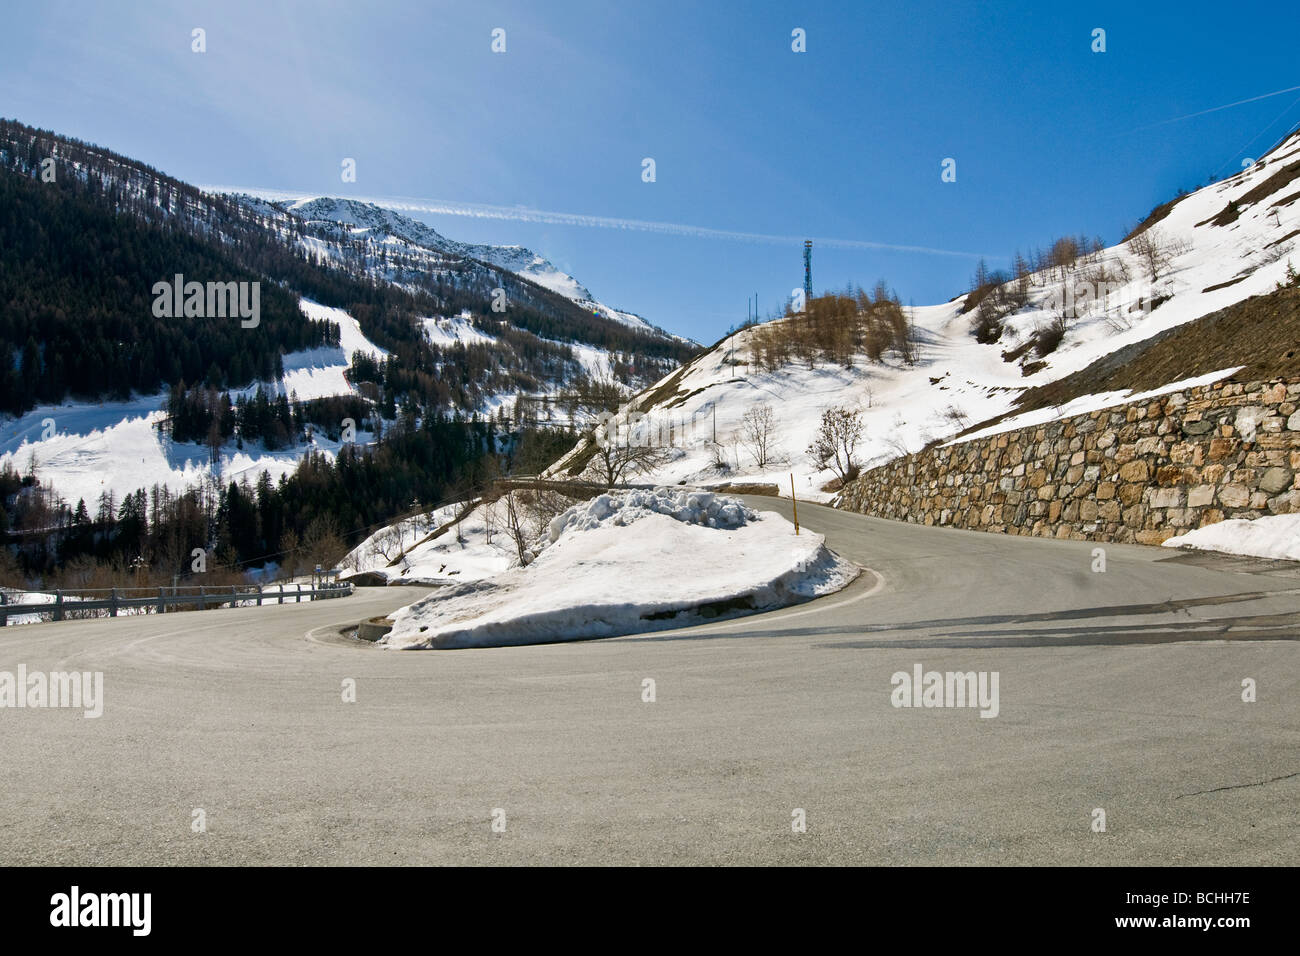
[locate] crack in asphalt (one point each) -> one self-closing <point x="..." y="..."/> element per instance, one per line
<point x="1240" y="786"/>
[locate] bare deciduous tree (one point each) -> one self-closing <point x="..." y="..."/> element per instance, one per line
<point x="387" y="544"/>
<point x="758" y="434"/>
<point x="542" y="504"/>
<point x="612" y="464"/>
<point x="720" y="462"/>
<point x="1059" y="306"/>
<point x="836" y="443"/>
<point x="322" y="543"/>
<point x="1156" y="251"/>
<point x="515" y="527"/>
<point x="619" y="453"/>
<point x="956" y="415"/>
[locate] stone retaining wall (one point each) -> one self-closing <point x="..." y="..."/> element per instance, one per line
<point x="1141" y="472"/>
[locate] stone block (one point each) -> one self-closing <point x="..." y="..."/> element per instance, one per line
<point x="1234" y="495"/>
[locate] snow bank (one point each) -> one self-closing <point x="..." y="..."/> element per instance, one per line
<point x="620" y="510"/>
<point x="1273" y="536"/>
<point x="629" y="562"/>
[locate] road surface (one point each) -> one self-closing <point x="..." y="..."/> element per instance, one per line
<point x="1118" y="692"/>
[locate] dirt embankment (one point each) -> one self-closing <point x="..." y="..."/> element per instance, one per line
<point x="1261" y="333"/>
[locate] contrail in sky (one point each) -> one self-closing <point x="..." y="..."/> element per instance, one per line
<point x="1215" y="109"/>
<point x="527" y="214"/>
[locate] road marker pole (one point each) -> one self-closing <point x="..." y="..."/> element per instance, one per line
<point x="794" y="504"/>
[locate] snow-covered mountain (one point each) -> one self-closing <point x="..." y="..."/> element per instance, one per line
<point x="1193" y="256"/>
<point x="338" y="279"/>
<point x="386" y="225"/>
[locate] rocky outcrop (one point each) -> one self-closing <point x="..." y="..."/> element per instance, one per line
<point x="1141" y="472"/>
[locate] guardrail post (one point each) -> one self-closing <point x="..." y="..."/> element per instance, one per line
<point x="298" y="600"/>
<point x="203" y="598"/>
<point x="259" y="595"/>
<point x="4" y="612"/>
<point x="162" y="602"/>
<point x="58" y="605"/>
<point x="234" y="601"/>
<point x="112" y="602"/>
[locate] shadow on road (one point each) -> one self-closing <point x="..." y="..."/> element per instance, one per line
<point x="1259" y="627"/>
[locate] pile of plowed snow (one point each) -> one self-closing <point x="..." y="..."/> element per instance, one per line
<point x="619" y="510"/>
<point x="629" y="562"/>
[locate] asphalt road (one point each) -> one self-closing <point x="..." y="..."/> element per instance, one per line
<point x="1119" y="691"/>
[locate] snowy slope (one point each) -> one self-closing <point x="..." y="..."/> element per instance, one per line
<point x="116" y="447"/>
<point x="957" y="382"/>
<point x="318" y="373"/>
<point x="447" y="332"/>
<point x="475" y="549"/>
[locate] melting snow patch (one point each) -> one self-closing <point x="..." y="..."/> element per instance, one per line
<point x="1272" y="536"/>
<point x="629" y="562"/>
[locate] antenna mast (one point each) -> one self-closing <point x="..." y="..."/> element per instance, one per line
<point x="807" y="271"/>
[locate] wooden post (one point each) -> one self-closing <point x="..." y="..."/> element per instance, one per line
<point x="112" y="602"/>
<point x="4" y="613"/>
<point x="281" y="600"/>
<point x="234" y="600"/>
<point x="259" y="595"/>
<point x="203" y="598"/>
<point x="794" y="504"/>
<point x="58" y="605"/>
<point x="162" y="601"/>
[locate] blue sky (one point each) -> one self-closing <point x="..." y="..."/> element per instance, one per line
<point x="844" y="141"/>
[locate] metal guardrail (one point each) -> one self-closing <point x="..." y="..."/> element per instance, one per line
<point x="159" y="600"/>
